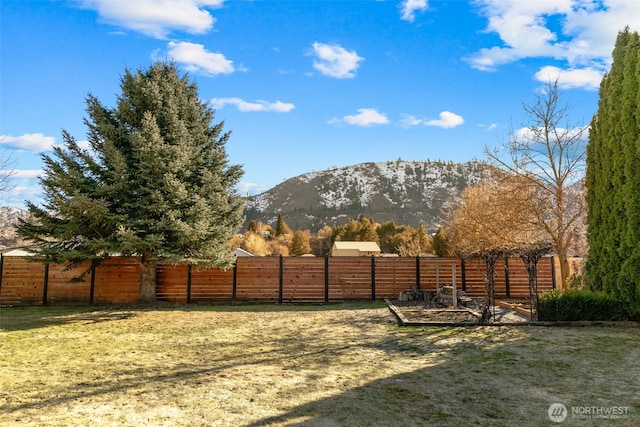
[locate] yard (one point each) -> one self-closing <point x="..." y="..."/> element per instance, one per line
<point x="274" y="365"/>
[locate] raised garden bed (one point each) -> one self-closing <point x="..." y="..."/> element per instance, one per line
<point x="410" y="313"/>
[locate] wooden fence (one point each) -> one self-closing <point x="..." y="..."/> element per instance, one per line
<point x="262" y="279"/>
<point x="23" y="282"/>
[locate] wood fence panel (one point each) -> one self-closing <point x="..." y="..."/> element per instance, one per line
<point x="439" y="271"/>
<point x="211" y="285"/>
<point x="303" y="279"/>
<point x="117" y="281"/>
<point x="475" y="274"/>
<point x="257" y="279"/>
<point x="65" y="287"/>
<point x="260" y="279"/>
<point x="394" y="275"/>
<point x="22" y="282"/>
<point x="171" y="282"/>
<point x="519" y="277"/>
<point x="349" y="278"/>
<point x="499" y="282"/>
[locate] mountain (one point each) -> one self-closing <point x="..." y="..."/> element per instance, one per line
<point x="407" y="192"/>
<point x="8" y="219"/>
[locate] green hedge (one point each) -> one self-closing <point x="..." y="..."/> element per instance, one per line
<point x="575" y="305"/>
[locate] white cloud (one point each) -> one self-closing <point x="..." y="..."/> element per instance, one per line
<point x="410" y="121"/>
<point x="365" y="117"/>
<point x="579" y="32"/>
<point x="588" y="78"/>
<point x="536" y="135"/>
<point x="335" y="61"/>
<point x="195" y="58"/>
<point x="446" y="120"/>
<point x="35" y="142"/>
<point x="27" y="173"/>
<point x="157" y="18"/>
<point x="24" y="185"/>
<point x="246" y="106"/>
<point x="488" y="127"/>
<point x="250" y="188"/>
<point x="409" y="8"/>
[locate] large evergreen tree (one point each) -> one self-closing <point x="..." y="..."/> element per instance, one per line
<point x="154" y="184"/>
<point x="613" y="176"/>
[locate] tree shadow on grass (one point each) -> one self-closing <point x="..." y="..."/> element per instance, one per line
<point x="453" y="376"/>
<point x="26" y="318"/>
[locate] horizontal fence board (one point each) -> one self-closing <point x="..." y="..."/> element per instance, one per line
<point x="266" y="279"/>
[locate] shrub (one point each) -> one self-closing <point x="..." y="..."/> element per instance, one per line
<point x="573" y="304"/>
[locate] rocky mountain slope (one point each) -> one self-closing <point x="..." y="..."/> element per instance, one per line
<point x="408" y="192"/>
<point x="8" y="219"/>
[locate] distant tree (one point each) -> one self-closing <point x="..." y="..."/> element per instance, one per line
<point x="156" y="182"/>
<point x="613" y="177"/>
<point x="281" y="227"/>
<point x="347" y="232"/>
<point x="7" y="169"/>
<point x="280" y="245"/>
<point x="440" y="244"/>
<point x="496" y="214"/>
<point x="364" y="230"/>
<point x="321" y="242"/>
<point x="252" y="227"/>
<point x="367" y="229"/>
<point x="300" y="243"/>
<point x="386" y="231"/>
<point x="423" y="239"/>
<point x="549" y="155"/>
<point x="256" y="245"/>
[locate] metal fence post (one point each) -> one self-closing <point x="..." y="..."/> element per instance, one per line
<point x="280" y="281"/>
<point x="234" y="285"/>
<point x="45" y="285"/>
<point x="326" y="279"/>
<point x="188" y="283"/>
<point x="373" y="277"/>
<point x="92" y="284"/>
<point x="507" y="286"/>
<point x="418" y="272"/>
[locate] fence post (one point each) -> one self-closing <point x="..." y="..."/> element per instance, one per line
<point x="326" y="279"/>
<point x="463" y="274"/>
<point x="280" y="281"/>
<point x="1" y="265"/>
<point x="92" y="284"/>
<point x="373" y="277"/>
<point x="234" y="285"/>
<point x="45" y="284"/>
<point x="418" y="272"/>
<point x="188" y="283"/>
<point x="507" y="286"/>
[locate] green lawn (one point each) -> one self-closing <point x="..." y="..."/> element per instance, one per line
<point x="337" y="365"/>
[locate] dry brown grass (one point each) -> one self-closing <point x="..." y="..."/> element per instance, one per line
<point x="345" y="365"/>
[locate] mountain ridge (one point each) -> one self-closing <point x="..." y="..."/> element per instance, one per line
<point x="407" y="192"/>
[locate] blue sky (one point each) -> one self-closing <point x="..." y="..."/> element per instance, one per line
<point x="307" y="85"/>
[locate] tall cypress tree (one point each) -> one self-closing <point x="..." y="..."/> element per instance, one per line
<point x="155" y="183"/>
<point x="613" y="176"/>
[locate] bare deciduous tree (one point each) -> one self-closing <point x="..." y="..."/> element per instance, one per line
<point x="549" y="155"/>
<point x="7" y="170"/>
